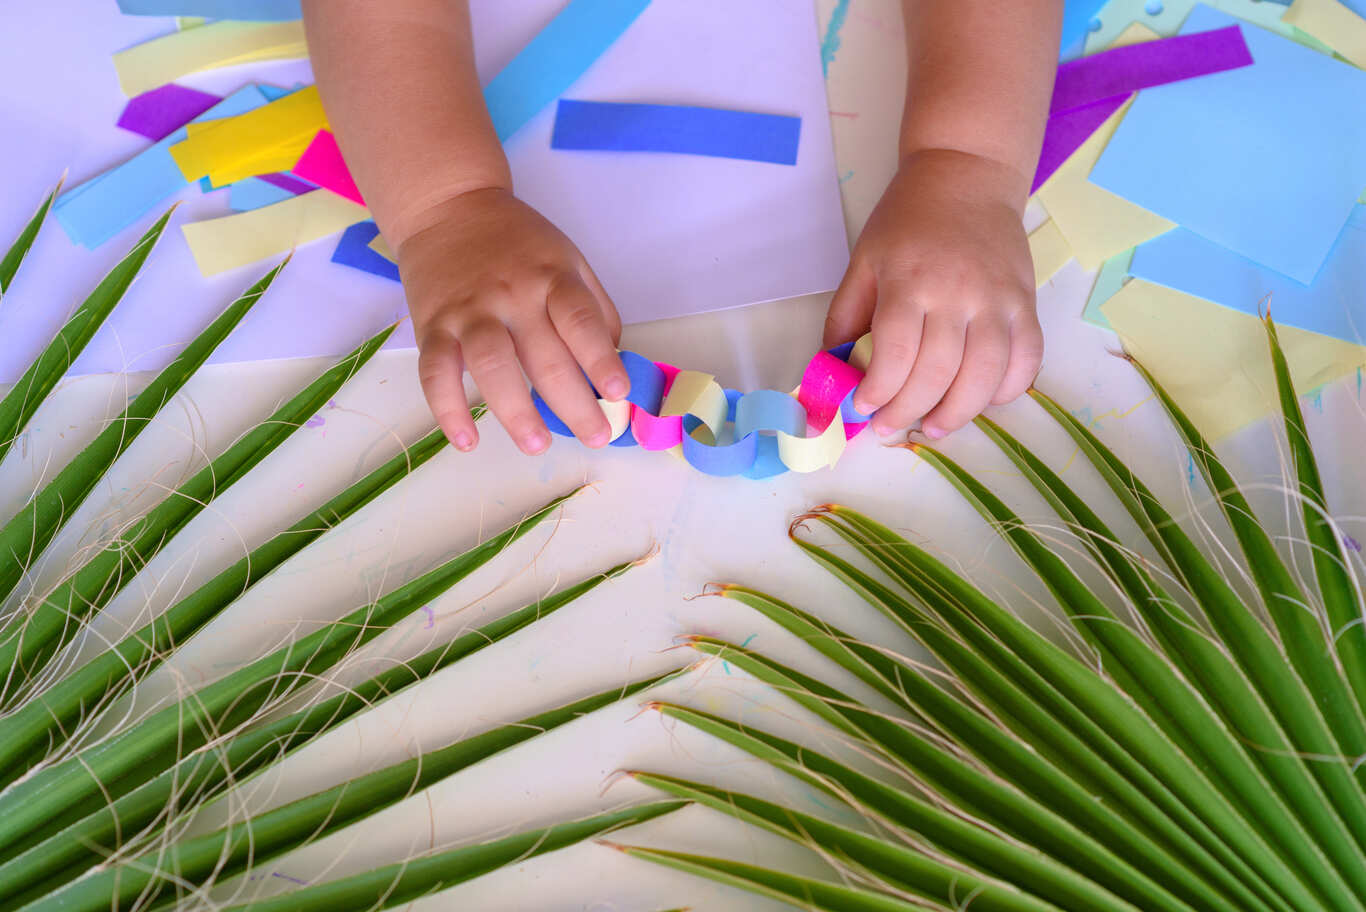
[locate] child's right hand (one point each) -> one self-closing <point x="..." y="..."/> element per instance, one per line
<point x="494" y="287"/>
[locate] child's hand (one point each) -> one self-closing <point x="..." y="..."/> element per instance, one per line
<point x="942" y="273"/>
<point x="496" y="288"/>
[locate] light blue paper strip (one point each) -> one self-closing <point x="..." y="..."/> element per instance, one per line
<point x="555" y="58"/>
<point x="257" y="10"/>
<point x="253" y="193"/>
<point x="100" y="208"/>
<point x="1334" y="304"/>
<point x="1109" y="280"/>
<point x="1192" y="151"/>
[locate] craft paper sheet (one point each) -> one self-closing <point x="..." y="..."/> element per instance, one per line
<point x="668" y="235"/>
<point x="1334" y="304"/>
<point x="1191" y="151"/>
<point x="1217" y="365"/>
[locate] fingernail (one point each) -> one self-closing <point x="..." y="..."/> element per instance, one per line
<point x="882" y="429"/>
<point x="597" y="439"/>
<point x="464" y="442"/>
<point x="535" y="442"/>
<point x="615" y="388"/>
<point x="934" y="432"/>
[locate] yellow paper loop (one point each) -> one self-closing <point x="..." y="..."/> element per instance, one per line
<point x="697" y="394"/>
<point x="236" y="240"/>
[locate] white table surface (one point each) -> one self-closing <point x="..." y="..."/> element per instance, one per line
<point x="704" y="529"/>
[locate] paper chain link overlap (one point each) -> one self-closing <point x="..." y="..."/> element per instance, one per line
<point x="725" y="432"/>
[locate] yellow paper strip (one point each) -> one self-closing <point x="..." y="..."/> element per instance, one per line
<point x="1214" y="360"/>
<point x="1333" y="24"/>
<point x="225" y="243"/>
<point x="378" y="245"/>
<point x="1050" y="252"/>
<point x="154" y="63"/>
<point x="268" y="139"/>
<point x="1096" y="223"/>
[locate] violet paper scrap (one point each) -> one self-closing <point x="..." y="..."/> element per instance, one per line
<point x="159" y="113"/>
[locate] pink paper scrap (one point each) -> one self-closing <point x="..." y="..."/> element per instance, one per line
<point x="323" y="165"/>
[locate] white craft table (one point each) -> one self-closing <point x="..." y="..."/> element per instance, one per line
<point x="702" y="528"/>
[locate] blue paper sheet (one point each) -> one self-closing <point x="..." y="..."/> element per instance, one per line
<point x="1334" y="304"/>
<point x="1196" y="151"/>
<point x="675" y="128"/>
<point x="253" y="193"/>
<point x="556" y="57"/>
<point x="258" y="10"/>
<point x="354" y="250"/>
<point x="93" y="212"/>
<point x="1076" y="22"/>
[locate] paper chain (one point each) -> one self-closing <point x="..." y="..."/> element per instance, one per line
<point x="724" y="432"/>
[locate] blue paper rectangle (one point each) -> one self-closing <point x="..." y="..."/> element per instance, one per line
<point x="253" y="193"/>
<point x="100" y="208"/>
<point x="555" y="58"/>
<point x="256" y="10"/>
<point x="674" y="128"/>
<point x="1195" y="152"/>
<point x="1334" y="304"/>
<point x="354" y="250"/>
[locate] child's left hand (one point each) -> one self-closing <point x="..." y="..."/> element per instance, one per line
<point x="942" y="274"/>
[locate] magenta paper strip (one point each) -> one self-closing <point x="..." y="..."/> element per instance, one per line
<point x="1067" y="131"/>
<point x="1150" y="63"/>
<point x="159" y="113"/>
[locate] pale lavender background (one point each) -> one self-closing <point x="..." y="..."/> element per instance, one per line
<point x="668" y="234"/>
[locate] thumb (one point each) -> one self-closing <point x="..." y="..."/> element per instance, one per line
<point x="851" y="309"/>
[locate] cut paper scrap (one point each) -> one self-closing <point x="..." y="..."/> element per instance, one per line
<point x="555" y="58"/>
<point x="266" y="140"/>
<point x="1216" y="365"/>
<point x="252" y="10"/>
<point x="1096" y="223"/>
<point x="1048" y="248"/>
<point x="145" y="66"/>
<point x="1185" y="152"/>
<point x="1332" y="23"/>
<point x="1126" y="69"/>
<point x="321" y="163"/>
<point x="1110" y="278"/>
<point x="253" y="193"/>
<point x="1334" y="304"/>
<point x="604" y="126"/>
<point x="725" y="433"/>
<point x="159" y="113"/>
<point x="288" y="182"/>
<point x="354" y="250"/>
<point x="1076" y="21"/>
<point x="235" y="240"/>
<point x="1088" y="91"/>
<point x="93" y="212"/>
<point x="1167" y="17"/>
<point x="379" y="245"/>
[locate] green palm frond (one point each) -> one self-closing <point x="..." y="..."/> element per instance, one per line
<point x="95" y="802"/>
<point x="1204" y="753"/>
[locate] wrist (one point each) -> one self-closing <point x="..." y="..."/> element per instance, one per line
<point x="438" y="203"/>
<point x="969" y="175"/>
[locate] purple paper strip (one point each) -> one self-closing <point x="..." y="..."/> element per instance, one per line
<point x="289" y="182"/>
<point x="1065" y="133"/>
<point x="1084" y="82"/>
<point x="159" y="113"/>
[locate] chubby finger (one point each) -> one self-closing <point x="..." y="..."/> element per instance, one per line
<point x="442" y="374"/>
<point x="492" y="361"/>
<point x="936" y="365"/>
<point x="851" y="309"/>
<point x="578" y="319"/>
<point x="1026" y="355"/>
<point x="609" y="310"/>
<point x="986" y="350"/>
<point x="557" y="377"/>
<point x="898" y="326"/>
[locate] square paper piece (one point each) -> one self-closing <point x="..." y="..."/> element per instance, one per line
<point x="1335" y="304"/>
<point x="1195" y="152"/>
